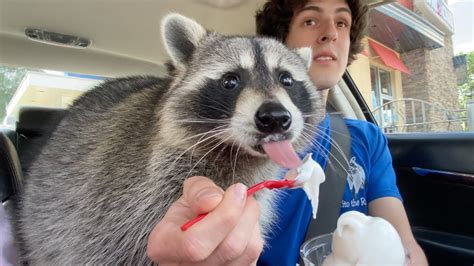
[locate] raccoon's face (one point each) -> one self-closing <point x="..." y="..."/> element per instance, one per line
<point x="236" y="91"/>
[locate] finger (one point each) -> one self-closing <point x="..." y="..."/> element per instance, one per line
<point x="252" y="251"/>
<point x="202" y="238"/>
<point x="165" y="239"/>
<point x="167" y="243"/>
<point x="201" y="194"/>
<point x="242" y="239"/>
<point x="291" y="174"/>
<point x="248" y="257"/>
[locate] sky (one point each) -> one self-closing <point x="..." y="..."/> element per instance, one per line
<point x="463" y="38"/>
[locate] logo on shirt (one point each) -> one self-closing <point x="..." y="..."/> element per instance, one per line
<point x="355" y="176"/>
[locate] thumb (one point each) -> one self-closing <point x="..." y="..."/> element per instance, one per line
<point x="201" y="194"/>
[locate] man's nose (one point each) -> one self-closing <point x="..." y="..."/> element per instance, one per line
<point x="328" y="33"/>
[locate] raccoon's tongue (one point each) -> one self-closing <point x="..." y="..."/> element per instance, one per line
<point x="282" y="153"/>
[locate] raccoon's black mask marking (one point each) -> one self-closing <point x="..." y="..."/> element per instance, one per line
<point x="299" y="95"/>
<point x="214" y="101"/>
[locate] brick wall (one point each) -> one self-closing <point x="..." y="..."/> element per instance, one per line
<point x="433" y="79"/>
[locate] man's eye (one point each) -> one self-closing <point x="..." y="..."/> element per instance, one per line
<point x="341" y="24"/>
<point x="309" y="22"/>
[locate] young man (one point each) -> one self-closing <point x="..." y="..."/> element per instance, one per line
<point x="333" y="28"/>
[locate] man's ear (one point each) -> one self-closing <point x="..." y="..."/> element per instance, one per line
<point x="181" y="36"/>
<point x="306" y="54"/>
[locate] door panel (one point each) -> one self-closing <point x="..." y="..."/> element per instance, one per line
<point x="435" y="175"/>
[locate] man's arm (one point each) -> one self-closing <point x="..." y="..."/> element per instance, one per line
<point x="392" y="210"/>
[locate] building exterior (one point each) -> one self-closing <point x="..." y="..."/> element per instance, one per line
<point x="39" y="89"/>
<point x="406" y="72"/>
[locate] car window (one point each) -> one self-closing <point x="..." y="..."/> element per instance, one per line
<point x="416" y="72"/>
<point x="23" y="87"/>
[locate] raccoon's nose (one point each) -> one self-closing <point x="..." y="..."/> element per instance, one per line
<point x="272" y="118"/>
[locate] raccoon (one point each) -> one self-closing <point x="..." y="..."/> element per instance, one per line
<point x="118" y="159"/>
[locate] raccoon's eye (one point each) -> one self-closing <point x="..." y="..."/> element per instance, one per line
<point x="285" y="79"/>
<point x="230" y="81"/>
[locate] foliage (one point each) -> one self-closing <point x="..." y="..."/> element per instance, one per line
<point x="466" y="90"/>
<point x="10" y="80"/>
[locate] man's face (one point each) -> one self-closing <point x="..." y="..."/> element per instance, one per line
<point x="323" y="25"/>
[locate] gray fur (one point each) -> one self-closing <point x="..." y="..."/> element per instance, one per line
<point x="119" y="158"/>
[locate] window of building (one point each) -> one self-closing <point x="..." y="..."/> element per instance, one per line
<point x="382" y="95"/>
<point x="418" y="67"/>
<point x="23" y="87"/>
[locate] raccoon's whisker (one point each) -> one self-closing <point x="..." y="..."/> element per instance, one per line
<point x="316" y="145"/>
<point x="323" y="151"/>
<point x="215" y="101"/>
<point x="220" y="153"/>
<point x="212" y="107"/>
<point x="203" y="121"/>
<point x="325" y="136"/>
<point x="205" y="146"/>
<point x="311" y="114"/>
<point x="334" y="112"/>
<point x="215" y="130"/>
<point x="333" y="143"/>
<point x="205" y="142"/>
<point x="235" y="163"/>
<point x="318" y="128"/>
<point x="356" y="140"/>
<point x="197" y="143"/>
<point x="220" y="104"/>
<point x="319" y="113"/>
<point x="221" y="142"/>
<point x="232" y="161"/>
<point x="219" y="123"/>
<point x="224" y="111"/>
<point x="226" y="108"/>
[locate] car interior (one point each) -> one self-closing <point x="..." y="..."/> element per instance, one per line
<point x="435" y="171"/>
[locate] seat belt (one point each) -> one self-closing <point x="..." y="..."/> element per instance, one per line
<point x="332" y="190"/>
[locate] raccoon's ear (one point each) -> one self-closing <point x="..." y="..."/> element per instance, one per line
<point x="306" y="54"/>
<point x="181" y="35"/>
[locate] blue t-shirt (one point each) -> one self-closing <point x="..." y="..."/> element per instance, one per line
<point x="371" y="176"/>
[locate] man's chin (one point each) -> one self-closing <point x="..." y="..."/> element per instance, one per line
<point x="325" y="79"/>
<point x="325" y="84"/>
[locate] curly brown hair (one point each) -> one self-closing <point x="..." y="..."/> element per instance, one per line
<point x="274" y="20"/>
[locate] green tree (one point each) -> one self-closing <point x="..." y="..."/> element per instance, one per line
<point x="10" y="80"/>
<point x="466" y="90"/>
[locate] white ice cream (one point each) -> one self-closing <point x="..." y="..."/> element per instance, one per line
<point x="310" y="176"/>
<point x="365" y="240"/>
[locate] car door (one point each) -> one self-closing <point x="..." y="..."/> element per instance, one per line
<point x="435" y="176"/>
<point x="414" y="80"/>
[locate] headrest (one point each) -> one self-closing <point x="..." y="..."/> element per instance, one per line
<point x="38" y="121"/>
<point x="10" y="170"/>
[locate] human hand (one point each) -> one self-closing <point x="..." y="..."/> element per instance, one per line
<point x="416" y="256"/>
<point x="229" y="234"/>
